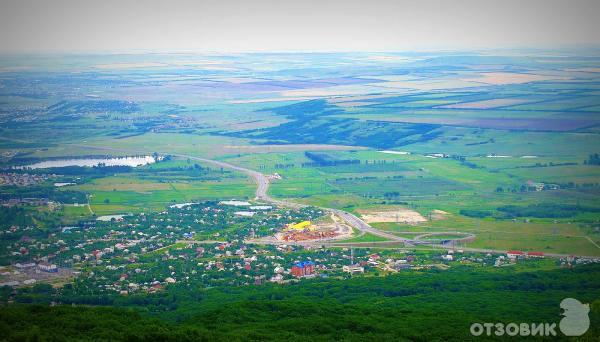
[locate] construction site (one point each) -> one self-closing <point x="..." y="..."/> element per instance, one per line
<point x="331" y="228"/>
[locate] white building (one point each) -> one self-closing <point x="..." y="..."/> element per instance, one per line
<point x="261" y="207"/>
<point x="244" y="213"/>
<point x="353" y="269"/>
<point x="47" y="267"/>
<point x="235" y="203"/>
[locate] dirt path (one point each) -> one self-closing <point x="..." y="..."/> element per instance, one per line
<point x="592" y="241"/>
<point x="88" y="205"/>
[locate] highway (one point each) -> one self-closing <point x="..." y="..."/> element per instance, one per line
<point x="262" y="182"/>
<point x="262" y="189"/>
<point x="262" y="192"/>
<point x="364" y="227"/>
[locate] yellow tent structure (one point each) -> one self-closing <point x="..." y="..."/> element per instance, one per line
<point x="301" y="226"/>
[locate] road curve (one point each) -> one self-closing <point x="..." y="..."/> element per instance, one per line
<point x="262" y="189"/>
<point x="262" y="194"/>
<point x="364" y="227"/>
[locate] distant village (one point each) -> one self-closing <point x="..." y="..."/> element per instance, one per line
<point x="23" y="179"/>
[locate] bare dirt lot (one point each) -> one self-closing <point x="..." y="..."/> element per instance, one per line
<point x="401" y="215"/>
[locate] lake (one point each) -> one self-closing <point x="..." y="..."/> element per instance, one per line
<point x="118" y="161"/>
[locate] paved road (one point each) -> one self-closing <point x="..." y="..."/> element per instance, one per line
<point x="262" y="194"/>
<point x="262" y="189"/>
<point x="262" y="182"/>
<point x="361" y="225"/>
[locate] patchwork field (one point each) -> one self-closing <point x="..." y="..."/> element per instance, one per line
<point x="157" y="186"/>
<point x="466" y="139"/>
<point x="435" y="194"/>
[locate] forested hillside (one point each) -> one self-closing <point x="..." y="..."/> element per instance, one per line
<point x="427" y="306"/>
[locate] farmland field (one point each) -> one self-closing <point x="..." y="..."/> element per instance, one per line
<point x="299" y="171"/>
<point x="423" y="166"/>
<point x="155" y="187"/>
<point x="460" y="153"/>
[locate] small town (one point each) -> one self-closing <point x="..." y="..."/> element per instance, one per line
<point x="207" y="244"/>
<point x="23" y="179"/>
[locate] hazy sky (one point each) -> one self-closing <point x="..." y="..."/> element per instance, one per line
<point x="242" y="25"/>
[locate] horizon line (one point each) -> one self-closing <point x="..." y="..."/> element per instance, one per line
<point x="576" y="47"/>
